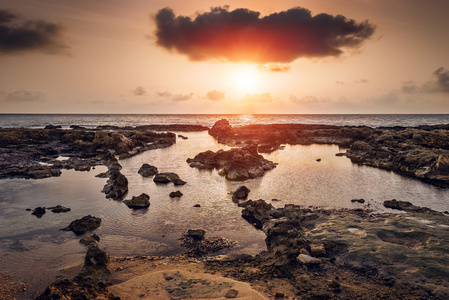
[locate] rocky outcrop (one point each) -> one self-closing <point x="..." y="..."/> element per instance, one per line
<point x="197" y="244"/>
<point x="138" y="202"/>
<point x="59" y="209"/>
<point x="83" y="225"/>
<point x="166" y="177"/>
<point x="236" y="164"/>
<point x="38" y="212"/>
<point x="240" y="194"/>
<point x="147" y="170"/>
<point x="222" y="130"/>
<point x="79" y="287"/>
<point x="96" y="260"/>
<point x="116" y="186"/>
<point x="409" y="207"/>
<point x="176" y="194"/>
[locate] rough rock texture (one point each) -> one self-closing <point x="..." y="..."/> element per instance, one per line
<point x="83" y="225"/>
<point x="147" y="170"/>
<point x="166" y="178"/>
<point x="197" y="245"/>
<point x="236" y="164"/>
<point x="419" y="152"/>
<point x="117" y="185"/>
<point x="407" y="206"/>
<point x="77" y="288"/>
<point x="176" y="194"/>
<point x="222" y="130"/>
<point x="38" y="212"/>
<point x="240" y="194"/>
<point x="33" y="153"/>
<point x="59" y="209"/>
<point x="138" y="202"/>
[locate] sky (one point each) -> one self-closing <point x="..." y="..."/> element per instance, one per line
<point x="214" y="57"/>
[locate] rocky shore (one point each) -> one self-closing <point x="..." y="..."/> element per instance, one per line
<point x="418" y="152"/>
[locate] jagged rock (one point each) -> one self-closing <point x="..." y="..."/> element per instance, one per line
<point x="317" y="250"/>
<point x="176" y="194"/>
<point x="38" y="212"/>
<point x="165" y="177"/>
<point x="221" y="130"/>
<point x="59" y="209"/>
<point x="117" y="185"/>
<point x="235" y="164"/>
<point x="257" y="212"/>
<point x="240" y="194"/>
<point x="231" y="293"/>
<point x="408" y="206"/>
<point x="142" y="201"/>
<point x="147" y="170"/>
<point x="81" y="226"/>
<point x="78" y="287"/>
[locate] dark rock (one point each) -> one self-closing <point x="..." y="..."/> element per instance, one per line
<point x="179" y="181"/>
<point x="197" y="234"/>
<point x="240" y="194"/>
<point x="59" y="209"/>
<point x="182" y="137"/>
<point x="142" y="201"/>
<point x="231" y="293"/>
<point x="147" y="170"/>
<point x="235" y="164"/>
<point x="197" y="245"/>
<point x="358" y="200"/>
<point x="221" y="130"/>
<point x="78" y="287"/>
<point x="318" y="159"/>
<point x="95" y="258"/>
<point x="257" y="212"/>
<point x="81" y="226"/>
<point x="176" y="194"/>
<point x="53" y="127"/>
<point x="165" y="177"/>
<point x="117" y="185"/>
<point x="39" y="212"/>
<point x="197" y="205"/>
<point x="340" y="154"/>
<point x="407" y="206"/>
<point x="317" y="250"/>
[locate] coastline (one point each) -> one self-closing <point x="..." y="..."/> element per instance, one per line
<point x="391" y="231"/>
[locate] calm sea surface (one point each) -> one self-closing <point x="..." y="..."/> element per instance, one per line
<point x="35" y="250"/>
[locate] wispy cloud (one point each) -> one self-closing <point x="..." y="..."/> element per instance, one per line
<point x="22" y="96"/>
<point x="438" y="84"/>
<point x="215" y="95"/>
<point x="139" y="91"/>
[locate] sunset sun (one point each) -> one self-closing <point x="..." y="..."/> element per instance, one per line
<point x="246" y="78"/>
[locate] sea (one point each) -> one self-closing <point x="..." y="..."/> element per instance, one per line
<point x="34" y="249"/>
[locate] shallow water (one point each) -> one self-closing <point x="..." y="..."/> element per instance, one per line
<point x="29" y="245"/>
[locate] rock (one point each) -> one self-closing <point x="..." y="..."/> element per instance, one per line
<point x="407" y="206"/>
<point x="318" y="160"/>
<point x="197" y="234"/>
<point x="317" y="250"/>
<point x="95" y="258"/>
<point x="235" y="164"/>
<point x="81" y="226"/>
<point x="39" y="212"/>
<point x="340" y="154"/>
<point x="53" y="127"/>
<point x="306" y="259"/>
<point x="78" y="287"/>
<point x="139" y="202"/>
<point x="176" y="194"/>
<point x="240" y="194"/>
<point x="147" y="170"/>
<point x="197" y="205"/>
<point x="221" y="130"/>
<point x="231" y="293"/>
<point x="182" y="137"/>
<point x="165" y="177"/>
<point x="179" y="181"/>
<point x="117" y="185"/>
<point x="90" y="240"/>
<point x="59" y="209"/>
<point x="257" y="212"/>
<point x="358" y="200"/>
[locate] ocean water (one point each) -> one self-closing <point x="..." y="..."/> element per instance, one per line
<point x="35" y="250"/>
<point x="93" y="120"/>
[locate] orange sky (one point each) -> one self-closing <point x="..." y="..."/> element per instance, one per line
<point x="103" y="57"/>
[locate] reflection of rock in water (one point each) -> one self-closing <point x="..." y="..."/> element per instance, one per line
<point x="18" y="246"/>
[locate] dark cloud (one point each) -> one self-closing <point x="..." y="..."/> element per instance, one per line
<point x="275" y="67"/>
<point x="139" y="91"/>
<point x="164" y="94"/>
<point x="265" y="97"/>
<point x="215" y="95"/>
<point x="22" y="96"/>
<point x="242" y="35"/>
<point x="19" y="36"/>
<point x="439" y="84"/>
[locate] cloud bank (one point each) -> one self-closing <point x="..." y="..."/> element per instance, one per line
<point x="22" y="96"/>
<point x="215" y="95"/>
<point x="243" y="35"/>
<point x="438" y="84"/>
<point x="18" y="36"/>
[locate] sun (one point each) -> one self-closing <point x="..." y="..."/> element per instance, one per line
<point x="246" y="78"/>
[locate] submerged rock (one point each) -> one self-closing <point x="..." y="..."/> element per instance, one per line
<point x="38" y="212"/>
<point x="142" y="201"/>
<point x="59" y="209"/>
<point x="83" y="225"/>
<point x="147" y="170"/>
<point x="176" y="194"/>
<point x="165" y="177"/>
<point x="117" y="185"/>
<point x="408" y="206"/>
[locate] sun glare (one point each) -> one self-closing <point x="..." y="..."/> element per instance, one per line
<point x="246" y="79"/>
